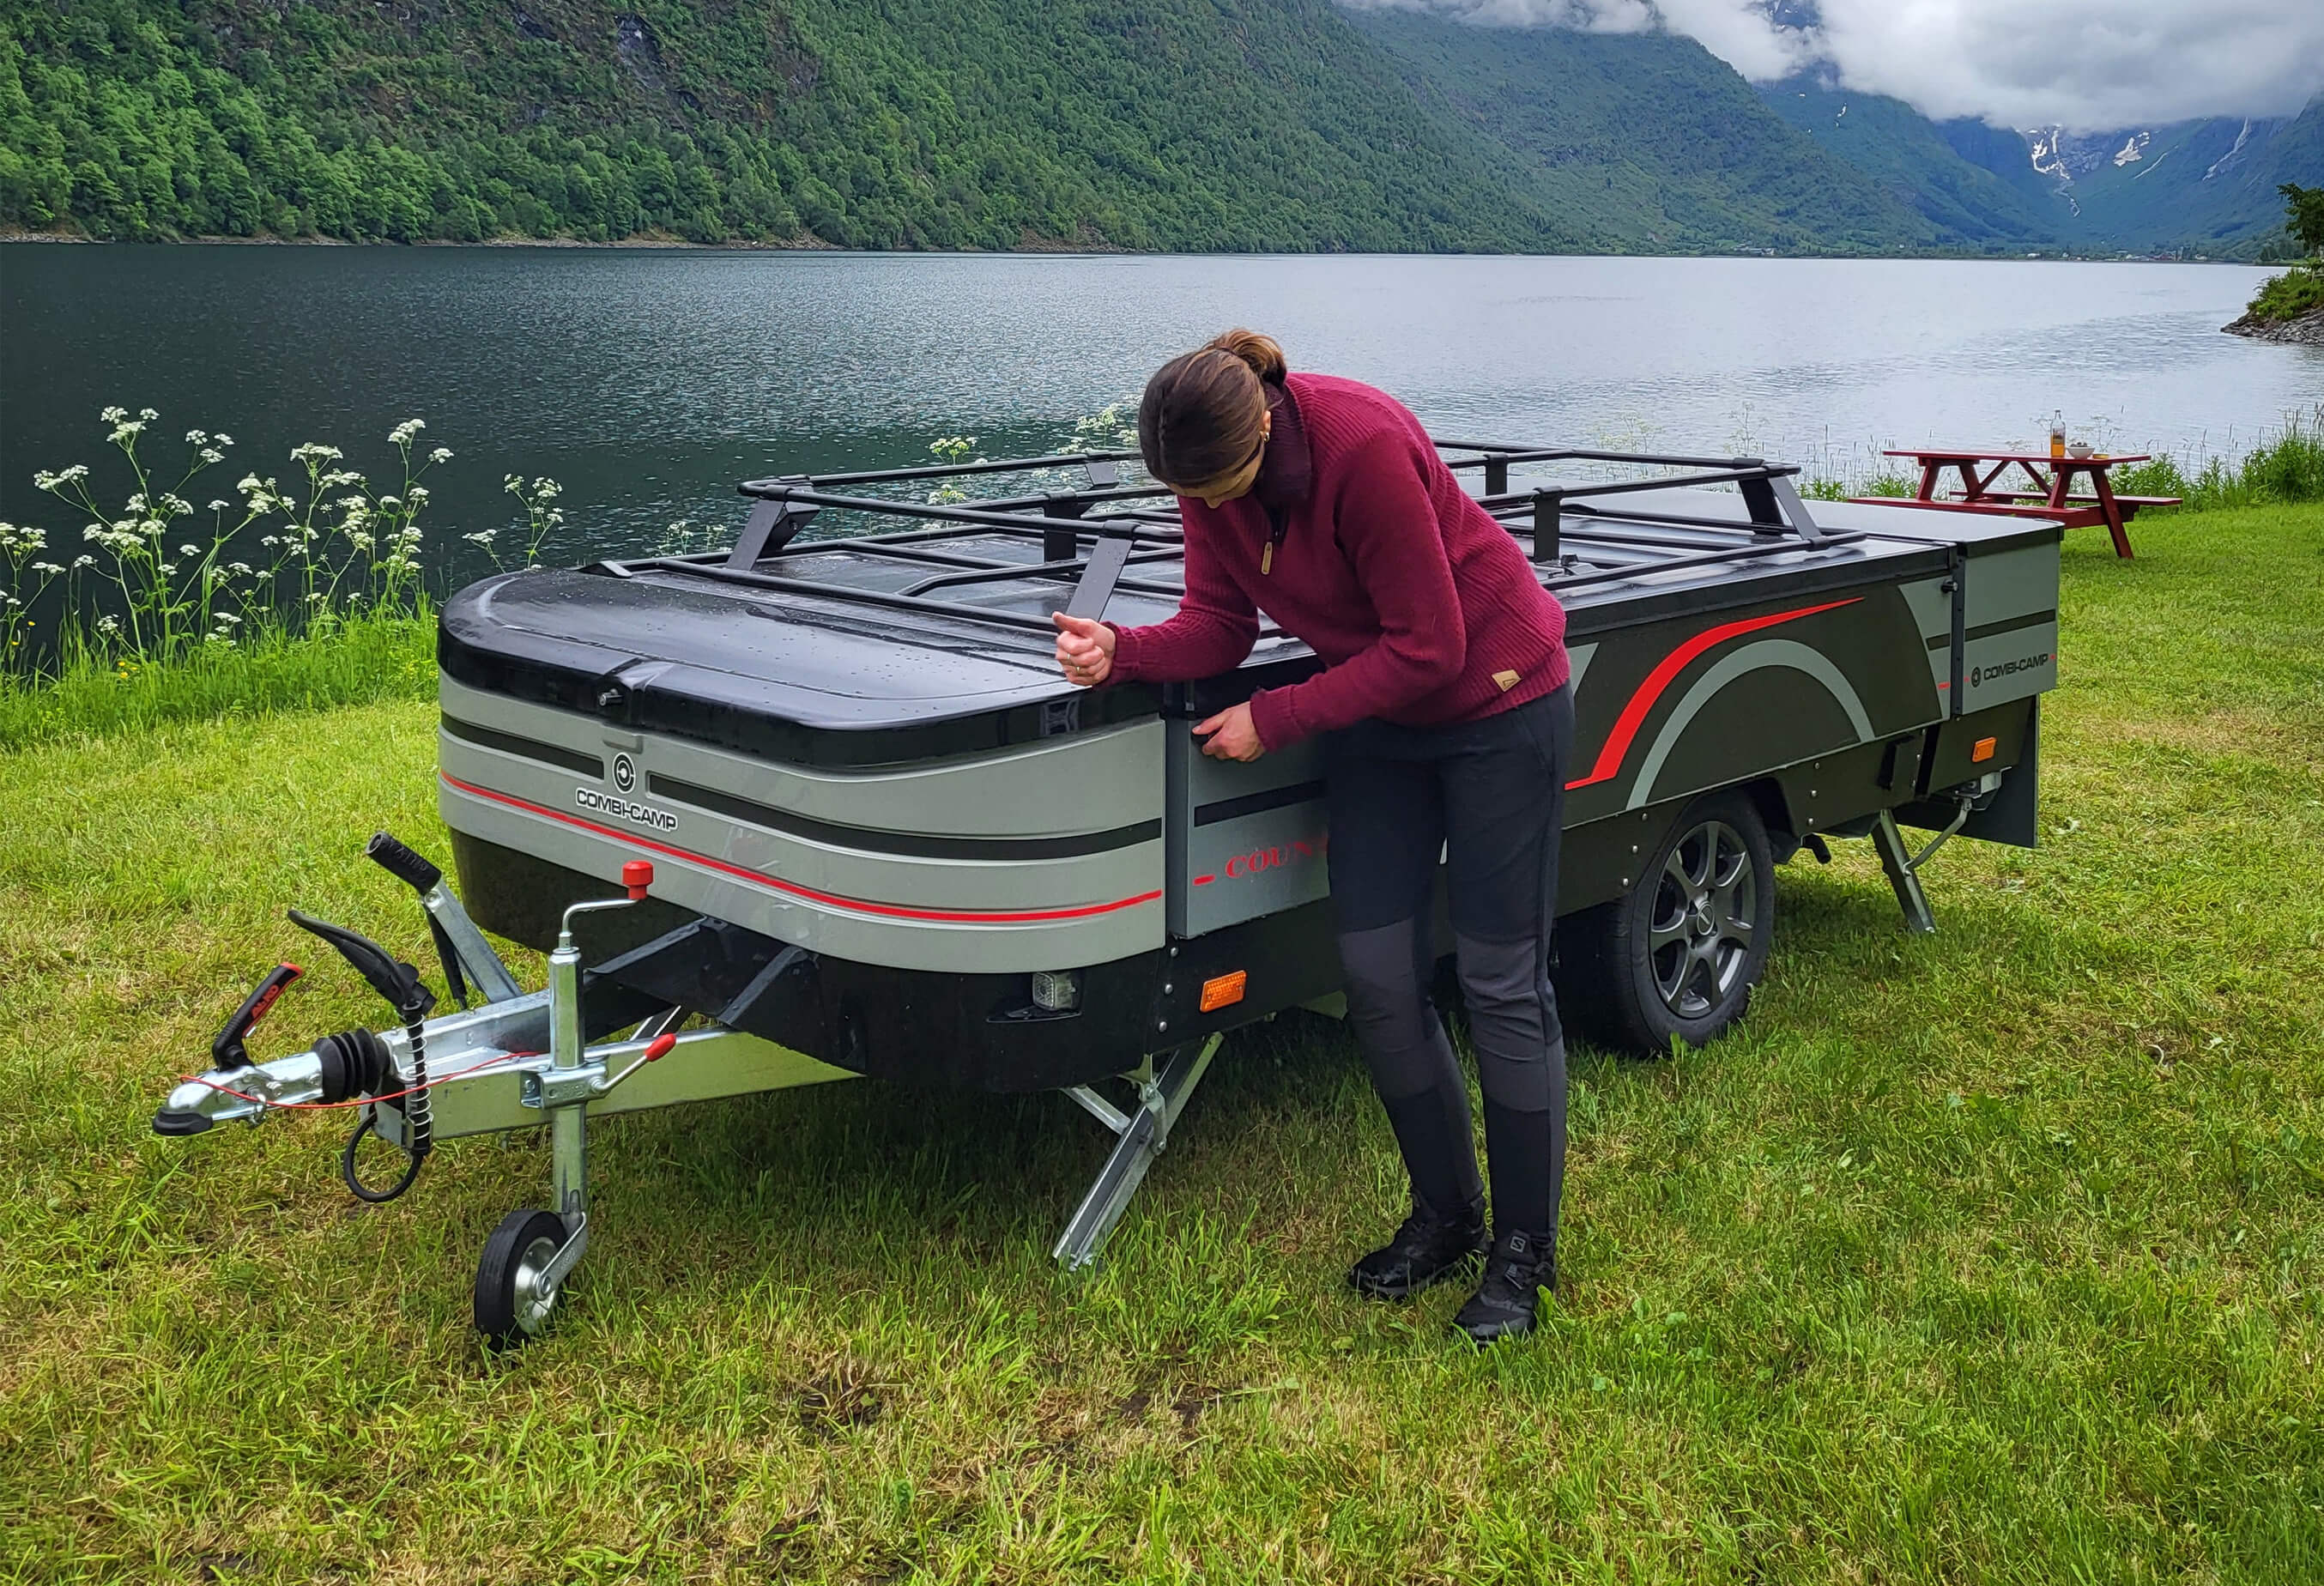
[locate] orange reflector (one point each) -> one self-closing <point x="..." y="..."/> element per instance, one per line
<point x="1220" y="990"/>
<point x="1982" y="750"/>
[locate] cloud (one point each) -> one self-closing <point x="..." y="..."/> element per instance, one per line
<point x="2087" y="65"/>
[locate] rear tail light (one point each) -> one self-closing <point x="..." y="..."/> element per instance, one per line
<point x="1057" y="991"/>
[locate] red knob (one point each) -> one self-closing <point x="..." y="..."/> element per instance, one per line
<point x="637" y="875"/>
<point x="660" y="1046"/>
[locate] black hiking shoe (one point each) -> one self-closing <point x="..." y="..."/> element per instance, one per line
<point x="1428" y="1248"/>
<point x="1521" y="1266"/>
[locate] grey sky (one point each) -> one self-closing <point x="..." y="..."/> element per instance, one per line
<point x="2090" y="65"/>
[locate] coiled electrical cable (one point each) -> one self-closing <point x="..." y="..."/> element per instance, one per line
<point x="418" y="1121"/>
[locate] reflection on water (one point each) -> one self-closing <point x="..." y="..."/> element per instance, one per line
<point x="649" y="381"/>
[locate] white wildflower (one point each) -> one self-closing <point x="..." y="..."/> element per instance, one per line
<point x="484" y="536"/>
<point x="442" y="454"/>
<point x="108" y="625"/>
<point x="315" y="451"/>
<point x="147" y="414"/>
<point x="198" y="437"/>
<point x="189" y="551"/>
<point x="50" y="568"/>
<point x="113" y="415"/>
<point x="223" y="438"/>
<point x="210" y="454"/>
<point x="404" y="433"/>
<point x="83" y="561"/>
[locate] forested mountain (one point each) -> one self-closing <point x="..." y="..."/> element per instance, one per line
<point x="948" y="123"/>
<point x="2208" y="185"/>
<point x="1650" y="137"/>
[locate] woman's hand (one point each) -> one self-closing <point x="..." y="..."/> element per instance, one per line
<point x="1231" y="734"/>
<point x="1084" y="650"/>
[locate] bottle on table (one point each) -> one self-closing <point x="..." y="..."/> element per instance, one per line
<point x="2058" y="436"/>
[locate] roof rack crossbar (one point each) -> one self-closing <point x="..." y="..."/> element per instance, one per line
<point x="941" y="470"/>
<point x="843" y="594"/>
<point x="1063" y="568"/>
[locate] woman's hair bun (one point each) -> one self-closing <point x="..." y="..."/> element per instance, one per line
<point x="1260" y="351"/>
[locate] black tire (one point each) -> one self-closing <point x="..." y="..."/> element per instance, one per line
<point x="519" y="1246"/>
<point x="1677" y="956"/>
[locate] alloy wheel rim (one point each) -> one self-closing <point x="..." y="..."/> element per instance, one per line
<point x="1700" y="930"/>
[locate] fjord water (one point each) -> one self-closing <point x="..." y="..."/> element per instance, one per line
<point x="649" y="382"/>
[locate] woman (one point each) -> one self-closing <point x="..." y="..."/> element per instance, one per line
<point x="1445" y="716"/>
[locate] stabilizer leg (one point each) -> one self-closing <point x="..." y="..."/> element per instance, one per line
<point x="1141" y="1136"/>
<point x="1904" y="874"/>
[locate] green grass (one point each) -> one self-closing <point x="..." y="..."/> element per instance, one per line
<point x="2298" y="291"/>
<point x="361" y="660"/>
<point x="1989" y="1257"/>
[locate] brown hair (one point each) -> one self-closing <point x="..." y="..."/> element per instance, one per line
<point x="1200" y="417"/>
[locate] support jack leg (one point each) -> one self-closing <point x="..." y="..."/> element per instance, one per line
<point x="1904" y="873"/>
<point x="1142" y="1134"/>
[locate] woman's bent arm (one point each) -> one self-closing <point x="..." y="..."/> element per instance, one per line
<point x="1215" y="627"/>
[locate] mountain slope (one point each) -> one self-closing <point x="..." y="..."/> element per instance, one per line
<point x="1942" y="172"/>
<point x="1647" y="136"/>
<point x="1182" y="124"/>
<point x="2209" y="183"/>
<point x="2204" y="184"/>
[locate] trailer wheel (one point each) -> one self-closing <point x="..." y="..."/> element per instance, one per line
<point x="510" y="1304"/>
<point x="1679" y="954"/>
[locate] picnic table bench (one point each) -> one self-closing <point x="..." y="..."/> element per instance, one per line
<point x="2052" y="497"/>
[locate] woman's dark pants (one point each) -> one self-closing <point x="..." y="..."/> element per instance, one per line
<point x="1490" y="796"/>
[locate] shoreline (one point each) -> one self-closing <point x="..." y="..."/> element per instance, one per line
<point x="1063" y="248"/>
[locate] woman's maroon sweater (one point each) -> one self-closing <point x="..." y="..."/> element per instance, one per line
<point x="1423" y="607"/>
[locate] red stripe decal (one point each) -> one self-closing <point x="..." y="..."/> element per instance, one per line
<point x="757" y="878"/>
<point x="1204" y="881"/>
<point x="1634" y="714"/>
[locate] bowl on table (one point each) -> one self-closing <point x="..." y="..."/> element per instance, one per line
<point x="2079" y="449"/>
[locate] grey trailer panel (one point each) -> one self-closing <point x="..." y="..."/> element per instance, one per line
<point x="2009" y="620"/>
<point x="1246" y="839"/>
<point x="1931" y="600"/>
<point x="1049" y="856"/>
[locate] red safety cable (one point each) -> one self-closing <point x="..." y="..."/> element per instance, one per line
<point x="359" y="1101"/>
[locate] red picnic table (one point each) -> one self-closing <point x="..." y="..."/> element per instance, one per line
<point x="2051" y="497"/>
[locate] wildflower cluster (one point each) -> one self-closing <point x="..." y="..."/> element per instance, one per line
<point x="160" y="575"/>
<point x="541" y="517"/>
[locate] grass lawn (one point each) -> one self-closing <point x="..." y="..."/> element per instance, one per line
<point x="1997" y="1256"/>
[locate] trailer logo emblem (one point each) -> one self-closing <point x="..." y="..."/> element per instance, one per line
<point x="1978" y="675"/>
<point x="625" y="772"/>
<point x="622" y="809"/>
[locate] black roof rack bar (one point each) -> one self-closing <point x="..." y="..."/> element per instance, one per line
<point x="1677" y="564"/>
<point x="768" y="487"/>
<point x="939" y="512"/>
<point x="1497" y="452"/>
<point x="1722" y="476"/>
<point x="1071" y="569"/>
<point x="843" y="594"/>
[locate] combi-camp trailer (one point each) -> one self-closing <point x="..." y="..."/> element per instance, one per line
<point x="821" y="806"/>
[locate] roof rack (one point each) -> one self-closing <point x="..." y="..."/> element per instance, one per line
<point x="1579" y="531"/>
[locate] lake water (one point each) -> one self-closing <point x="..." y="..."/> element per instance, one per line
<point x="650" y="381"/>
